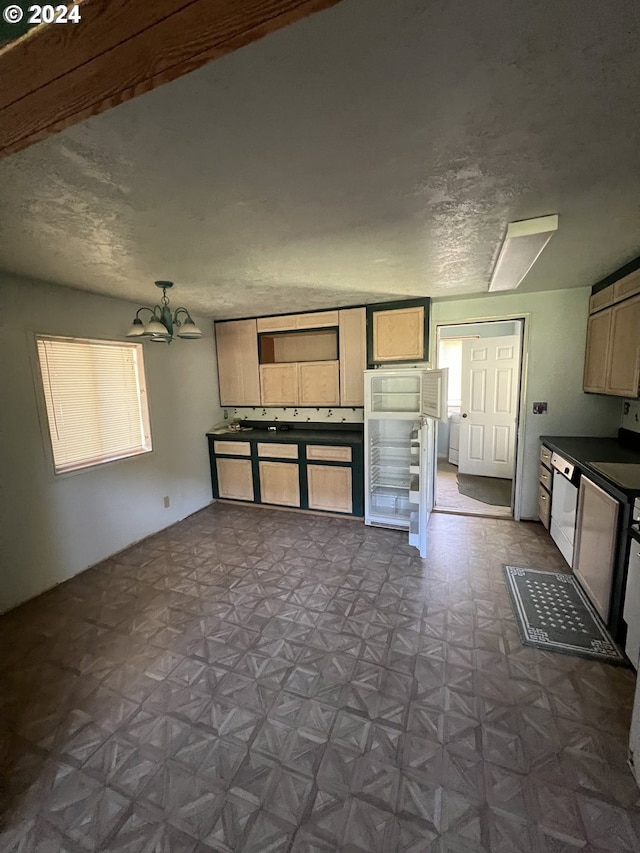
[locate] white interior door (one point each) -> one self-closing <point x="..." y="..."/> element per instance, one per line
<point x="488" y="422"/>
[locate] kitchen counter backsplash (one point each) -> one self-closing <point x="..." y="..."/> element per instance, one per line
<point x="292" y="414"/>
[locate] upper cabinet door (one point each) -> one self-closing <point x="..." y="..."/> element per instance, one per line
<point x="279" y="384"/>
<point x="623" y="366"/>
<point x="318" y="383"/>
<point x="627" y="286"/>
<point x="597" y="351"/>
<point x="287" y="322"/>
<point x="317" y="320"/>
<point x="353" y="355"/>
<point x="277" y="324"/>
<point x="238" y="370"/>
<point x="398" y="334"/>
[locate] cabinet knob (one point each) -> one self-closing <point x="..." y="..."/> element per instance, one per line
<point x="465" y="415"/>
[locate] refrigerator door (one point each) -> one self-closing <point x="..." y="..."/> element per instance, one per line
<point x="422" y="468"/>
<point x="434" y="393"/>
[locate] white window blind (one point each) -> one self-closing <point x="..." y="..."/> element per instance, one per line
<point x="96" y="400"/>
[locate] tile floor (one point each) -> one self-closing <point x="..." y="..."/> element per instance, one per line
<point x="449" y="498"/>
<point x="257" y="681"/>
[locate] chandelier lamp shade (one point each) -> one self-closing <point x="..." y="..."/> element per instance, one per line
<point x="163" y="324"/>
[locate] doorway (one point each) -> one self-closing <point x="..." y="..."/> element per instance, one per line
<point x="476" y="446"/>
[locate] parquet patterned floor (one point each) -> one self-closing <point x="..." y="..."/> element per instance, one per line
<point x="255" y="681"/>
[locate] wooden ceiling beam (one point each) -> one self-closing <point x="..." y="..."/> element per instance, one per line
<point x="60" y="74"/>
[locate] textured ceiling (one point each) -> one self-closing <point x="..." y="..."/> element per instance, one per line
<point x="375" y="150"/>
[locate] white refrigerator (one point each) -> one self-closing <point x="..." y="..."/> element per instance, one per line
<point x="401" y="410"/>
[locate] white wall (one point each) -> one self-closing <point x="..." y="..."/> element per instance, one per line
<point x="556" y="323"/>
<point x="54" y="527"/>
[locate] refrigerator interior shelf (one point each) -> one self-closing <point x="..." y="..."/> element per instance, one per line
<point x="387" y="504"/>
<point x="397" y="459"/>
<point x="385" y="443"/>
<point x="387" y="483"/>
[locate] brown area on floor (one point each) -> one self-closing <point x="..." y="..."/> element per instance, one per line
<point x="449" y="498"/>
<point x="254" y="681"/>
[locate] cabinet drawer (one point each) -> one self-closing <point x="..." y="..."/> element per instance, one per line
<point x="277" y="451"/>
<point x="324" y="453"/>
<point x="232" y="448"/>
<point x="601" y="299"/>
<point x="545" y="456"/>
<point x="544" y="506"/>
<point x="545" y="477"/>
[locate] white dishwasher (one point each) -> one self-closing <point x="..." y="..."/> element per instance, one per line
<point x="564" y="501"/>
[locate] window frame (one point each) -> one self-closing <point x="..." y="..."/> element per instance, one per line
<point x="43" y="415"/>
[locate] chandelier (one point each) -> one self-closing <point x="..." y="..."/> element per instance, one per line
<point x="162" y="325"/>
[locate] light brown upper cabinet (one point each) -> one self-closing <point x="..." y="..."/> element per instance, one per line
<point x="612" y="355"/>
<point x="308" y="383"/>
<point x="398" y="333"/>
<point x="300" y="367"/>
<point x="623" y="363"/>
<point x="597" y="352"/>
<point x="279" y="384"/>
<point x="318" y="383"/>
<point x="627" y="286"/>
<point x="353" y="355"/>
<point x="313" y="320"/>
<point x="238" y="368"/>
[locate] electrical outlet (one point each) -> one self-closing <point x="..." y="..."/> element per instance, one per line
<point x="166" y="501"/>
<point x="225" y="414"/>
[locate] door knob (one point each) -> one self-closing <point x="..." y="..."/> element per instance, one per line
<point x="465" y="415"/>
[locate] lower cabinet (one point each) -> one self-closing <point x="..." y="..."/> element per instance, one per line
<point x="235" y="479"/>
<point x="330" y="488"/>
<point x="279" y="483"/>
<point x="544" y="506"/>
<point x="293" y="473"/>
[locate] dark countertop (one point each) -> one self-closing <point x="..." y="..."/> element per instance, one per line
<point x="307" y="436"/>
<point x="585" y="450"/>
